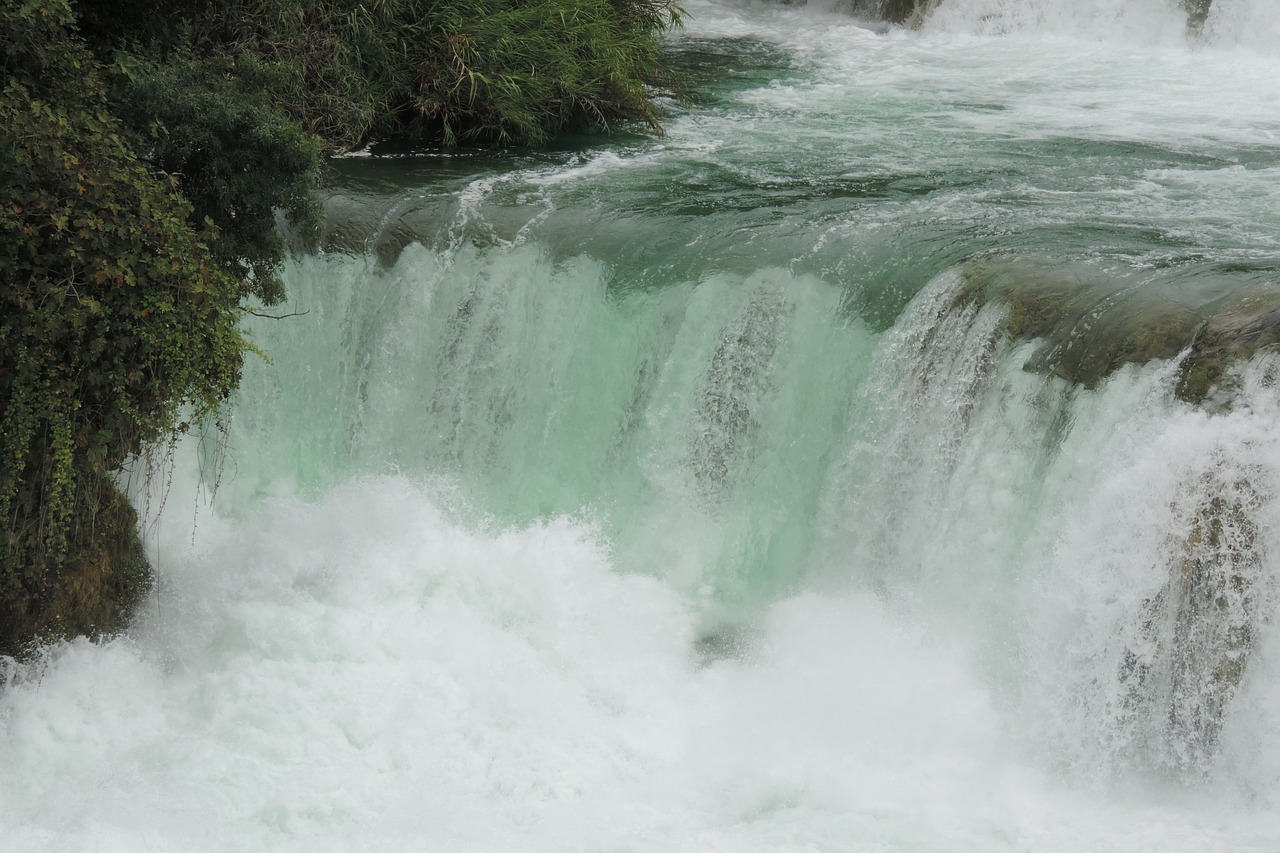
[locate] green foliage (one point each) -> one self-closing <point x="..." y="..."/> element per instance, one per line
<point x="238" y="98"/>
<point x="237" y="158"/>
<point x="114" y="316"/>
<point x="504" y="70"/>
<point x="526" y="70"/>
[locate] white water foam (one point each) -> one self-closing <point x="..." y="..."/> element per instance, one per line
<point x="360" y="673"/>
<point x="1253" y="24"/>
<point x="1133" y="21"/>
<point x="1250" y="24"/>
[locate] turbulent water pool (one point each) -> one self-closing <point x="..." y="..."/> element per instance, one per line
<point x="695" y="493"/>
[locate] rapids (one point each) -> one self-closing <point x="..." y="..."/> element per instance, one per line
<point x="666" y="494"/>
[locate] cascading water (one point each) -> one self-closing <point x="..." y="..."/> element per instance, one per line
<point x="884" y="459"/>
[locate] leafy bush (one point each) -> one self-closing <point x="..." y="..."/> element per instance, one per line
<point x="508" y="70"/>
<point x="114" y="316"/>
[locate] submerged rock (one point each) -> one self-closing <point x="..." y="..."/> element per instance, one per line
<point x="733" y="641"/>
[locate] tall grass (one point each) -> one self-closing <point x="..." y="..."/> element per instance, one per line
<point x="486" y="70"/>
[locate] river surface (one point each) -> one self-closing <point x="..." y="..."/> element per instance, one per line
<point x="665" y="494"/>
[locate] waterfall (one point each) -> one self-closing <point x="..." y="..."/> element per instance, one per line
<point x="882" y="459"/>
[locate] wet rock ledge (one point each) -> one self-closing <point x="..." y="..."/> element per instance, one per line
<point x="1089" y="326"/>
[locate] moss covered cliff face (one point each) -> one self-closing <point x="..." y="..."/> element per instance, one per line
<point x="146" y="149"/>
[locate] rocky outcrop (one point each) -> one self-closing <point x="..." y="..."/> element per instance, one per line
<point x="1182" y="655"/>
<point x="1238" y="326"/>
<point x="1197" y="634"/>
<point x="1088" y="326"/>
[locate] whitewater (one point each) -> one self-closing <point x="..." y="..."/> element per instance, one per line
<point x="674" y="494"/>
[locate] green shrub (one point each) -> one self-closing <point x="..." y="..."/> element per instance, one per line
<point x="236" y="157"/>
<point x="114" y="317"/>
<point x="505" y="70"/>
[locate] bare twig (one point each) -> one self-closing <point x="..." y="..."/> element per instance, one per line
<point x="278" y="316"/>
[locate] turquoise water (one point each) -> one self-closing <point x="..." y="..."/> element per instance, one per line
<point x="663" y="493"/>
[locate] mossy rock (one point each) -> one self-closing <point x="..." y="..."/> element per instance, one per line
<point x="1239" y="327"/>
<point x="94" y="594"/>
<point x="1183" y="667"/>
<point x="1089" y="325"/>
